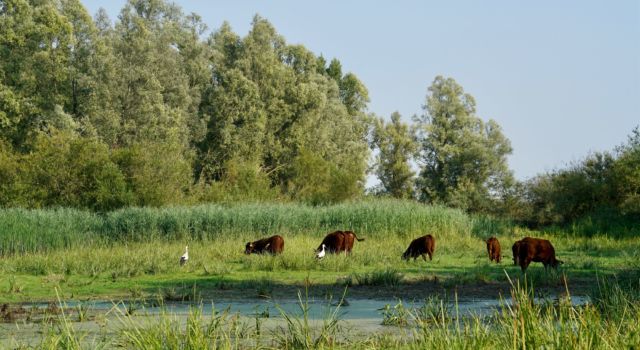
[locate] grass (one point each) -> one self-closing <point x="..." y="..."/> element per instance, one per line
<point x="32" y="231"/>
<point x="219" y="267"/>
<point x="133" y="254"/>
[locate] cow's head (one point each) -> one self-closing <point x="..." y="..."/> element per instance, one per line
<point x="555" y="263"/>
<point x="405" y="255"/>
<point x="249" y="248"/>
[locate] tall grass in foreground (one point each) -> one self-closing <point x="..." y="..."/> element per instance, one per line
<point x="522" y="324"/>
<point x="24" y="231"/>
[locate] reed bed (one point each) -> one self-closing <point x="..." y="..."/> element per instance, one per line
<point x="29" y="231"/>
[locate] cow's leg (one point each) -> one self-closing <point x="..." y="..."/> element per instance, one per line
<point x="424" y="256"/>
<point x="524" y="264"/>
<point x="430" y="256"/>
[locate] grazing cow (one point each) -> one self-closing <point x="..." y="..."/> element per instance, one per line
<point x="349" y="238"/>
<point x="421" y="246"/>
<point x="493" y="248"/>
<point x="272" y="245"/>
<point x="339" y="241"/>
<point x="333" y="242"/>
<point x="536" y="250"/>
<point x="515" y="249"/>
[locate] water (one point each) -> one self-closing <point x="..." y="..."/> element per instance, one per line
<point x="361" y="316"/>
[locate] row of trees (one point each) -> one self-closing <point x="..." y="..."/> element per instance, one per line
<point x="603" y="189"/>
<point x="166" y="116"/>
<point x="152" y="111"/>
<point x="147" y="112"/>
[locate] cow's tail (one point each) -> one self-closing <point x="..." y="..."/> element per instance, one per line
<point x="359" y="239"/>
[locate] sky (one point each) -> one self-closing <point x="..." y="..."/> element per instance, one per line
<point x="562" y="78"/>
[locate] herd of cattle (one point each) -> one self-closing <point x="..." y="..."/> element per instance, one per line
<point x="524" y="251"/>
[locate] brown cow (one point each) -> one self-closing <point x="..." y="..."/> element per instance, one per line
<point x="515" y="249"/>
<point x="349" y="238"/>
<point x="420" y="246"/>
<point x="339" y="241"/>
<point x="536" y="250"/>
<point x="493" y="248"/>
<point x="271" y="245"/>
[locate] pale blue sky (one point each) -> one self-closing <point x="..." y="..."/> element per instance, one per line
<point x="562" y="78"/>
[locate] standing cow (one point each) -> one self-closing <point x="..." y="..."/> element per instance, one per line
<point x="272" y="245"/>
<point x="493" y="248"/>
<point x="530" y="250"/>
<point x="421" y="246"/>
<point x="339" y="241"/>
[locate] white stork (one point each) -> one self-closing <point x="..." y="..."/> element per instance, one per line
<point x="321" y="253"/>
<point x="185" y="256"/>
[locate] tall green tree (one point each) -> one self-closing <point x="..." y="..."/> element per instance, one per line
<point x="396" y="145"/>
<point x="463" y="159"/>
<point x="269" y="103"/>
<point x="35" y="60"/>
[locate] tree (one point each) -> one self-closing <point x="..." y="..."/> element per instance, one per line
<point x="35" y="50"/>
<point x="463" y="159"/>
<point x="268" y="102"/>
<point x="626" y="173"/>
<point x="396" y="145"/>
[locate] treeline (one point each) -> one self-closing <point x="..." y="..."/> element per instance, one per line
<point x="151" y="110"/>
<point x="599" y="194"/>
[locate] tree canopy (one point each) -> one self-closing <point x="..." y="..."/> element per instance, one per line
<point x="176" y="113"/>
<point x="463" y="158"/>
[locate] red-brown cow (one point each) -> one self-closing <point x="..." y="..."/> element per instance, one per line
<point x="339" y="241"/>
<point x="493" y="248"/>
<point x="536" y="250"/>
<point x="515" y="249"/>
<point x="421" y="246"/>
<point x="271" y="245"/>
<point x="334" y="242"/>
<point x="349" y="238"/>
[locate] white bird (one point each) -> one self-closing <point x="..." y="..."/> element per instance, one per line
<point x="321" y="253"/>
<point x="185" y="256"/>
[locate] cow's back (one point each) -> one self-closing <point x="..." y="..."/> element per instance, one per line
<point x="334" y="242"/>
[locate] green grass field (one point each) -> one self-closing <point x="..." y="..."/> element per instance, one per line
<point x="136" y="250"/>
<point x="133" y="254"/>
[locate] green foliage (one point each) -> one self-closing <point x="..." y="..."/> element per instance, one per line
<point x="229" y="114"/>
<point x="396" y="145"/>
<point x="596" y="195"/>
<point x="156" y="173"/>
<point x="63" y="170"/>
<point x="463" y="158"/>
<point x="269" y="104"/>
<point x="317" y="181"/>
